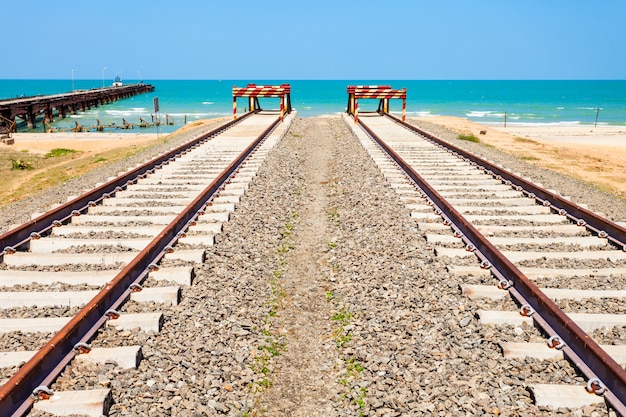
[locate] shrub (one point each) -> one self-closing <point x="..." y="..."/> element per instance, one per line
<point x="20" y="164"/>
<point x="468" y="137"/>
<point x="59" y="152"/>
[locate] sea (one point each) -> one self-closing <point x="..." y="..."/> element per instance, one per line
<point x="569" y="102"/>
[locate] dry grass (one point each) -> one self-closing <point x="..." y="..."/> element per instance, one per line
<point x="48" y="171"/>
<point x="525" y="140"/>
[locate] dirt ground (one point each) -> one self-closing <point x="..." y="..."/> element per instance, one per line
<point x="596" y="155"/>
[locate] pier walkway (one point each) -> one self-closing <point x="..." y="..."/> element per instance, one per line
<point x="29" y="108"/>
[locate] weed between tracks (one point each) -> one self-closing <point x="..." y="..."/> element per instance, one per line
<point x="273" y="344"/>
<point x="353" y="368"/>
<point x="342" y="335"/>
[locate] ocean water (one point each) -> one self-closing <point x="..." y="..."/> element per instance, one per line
<point x="487" y="102"/>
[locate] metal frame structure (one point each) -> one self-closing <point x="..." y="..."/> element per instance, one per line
<point x="253" y="92"/>
<point x="380" y="92"/>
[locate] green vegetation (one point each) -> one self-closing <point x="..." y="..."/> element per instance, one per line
<point x="25" y="173"/>
<point x="284" y="248"/>
<point x="20" y="164"/>
<point x="273" y="345"/>
<point x="54" y="153"/>
<point x="343" y="317"/>
<point x="353" y="367"/>
<point x="333" y="214"/>
<point x="290" y="226"/>
<point x="360" y="399"/>
<point x="341" y="335"/>
<point x="468" y="137"/>
<point x="353" y="371"/>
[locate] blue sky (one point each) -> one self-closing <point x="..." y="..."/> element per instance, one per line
<point x="322" y="39"/>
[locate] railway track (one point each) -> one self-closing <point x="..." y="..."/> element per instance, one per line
<point x="533" y="257"/>
<point x="107" y="230"/>
<point x="108" y="259"/>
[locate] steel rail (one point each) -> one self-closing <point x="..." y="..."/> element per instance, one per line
<point x="586" y="354"/>
<point x="16" y="395"/>
<point x="14" y="238"/>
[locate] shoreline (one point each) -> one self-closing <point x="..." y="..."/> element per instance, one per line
<point x="482" y="101"/>
<point x="93" y="142"/>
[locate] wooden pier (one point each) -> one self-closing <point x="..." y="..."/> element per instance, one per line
<point x="30" y="108"/>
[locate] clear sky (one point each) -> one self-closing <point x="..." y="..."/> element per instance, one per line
<point x="316" y="39"/>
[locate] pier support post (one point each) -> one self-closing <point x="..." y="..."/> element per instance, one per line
<point x="31" y="118"/>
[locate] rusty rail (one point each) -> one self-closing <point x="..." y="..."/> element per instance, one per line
<point x="584" y="352"/>
<point x="48" y="362"/>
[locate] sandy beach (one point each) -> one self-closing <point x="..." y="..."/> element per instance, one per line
<point x="596" y="155"/>
<point x="92" y="142"/>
